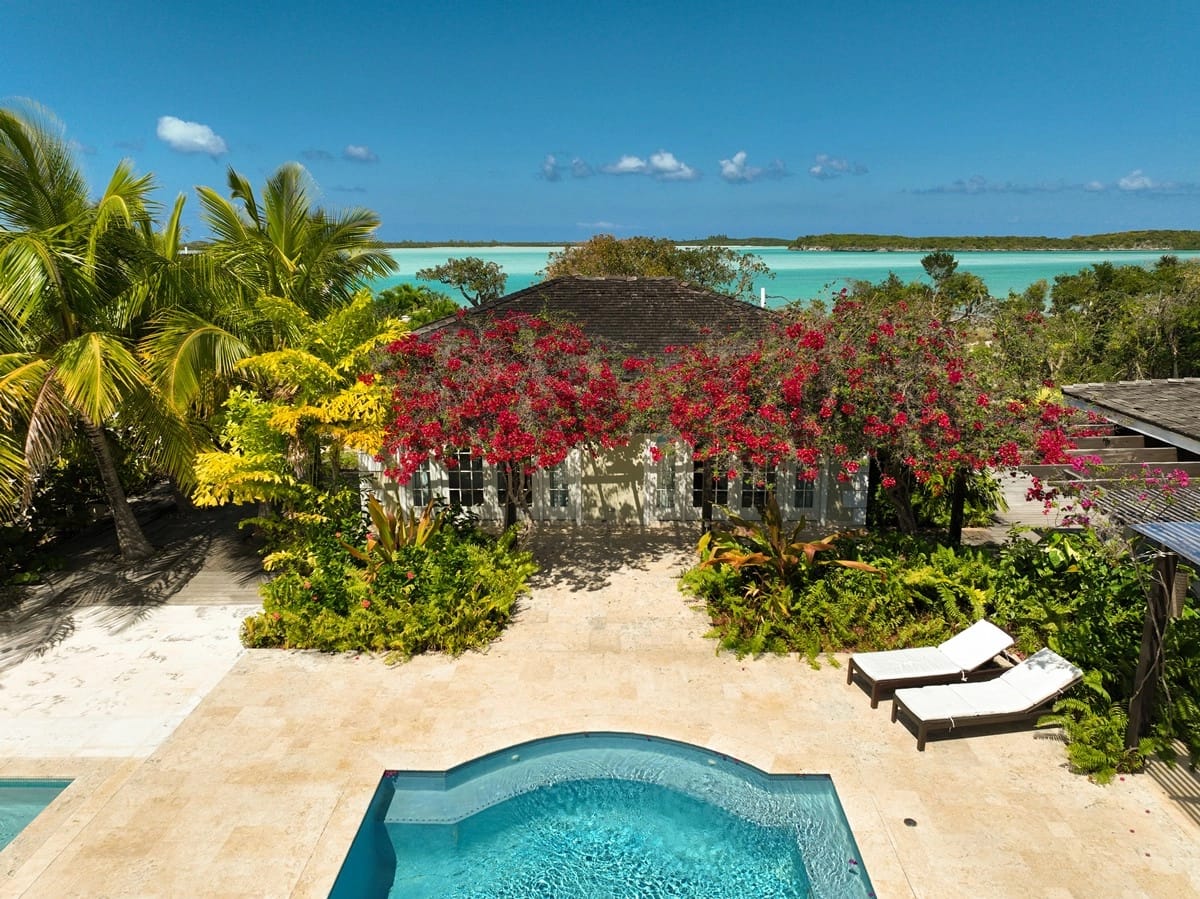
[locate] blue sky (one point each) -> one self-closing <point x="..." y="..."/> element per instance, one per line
<point x="554" y="121"/>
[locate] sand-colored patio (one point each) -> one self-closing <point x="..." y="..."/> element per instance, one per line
<point x="250" y="770"/>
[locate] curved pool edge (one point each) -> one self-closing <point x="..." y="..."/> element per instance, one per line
<point x="488" y="780"/>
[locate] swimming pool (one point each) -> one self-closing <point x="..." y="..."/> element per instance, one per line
<point x="603" y="814"/>
<point x="21" y="801"/>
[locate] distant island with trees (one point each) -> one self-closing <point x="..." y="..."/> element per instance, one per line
<point x="1118" y="240"/>
<point x="1154" y="240"/>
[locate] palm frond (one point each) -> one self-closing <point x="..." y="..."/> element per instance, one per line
<point x="162" y="436"/>
<point x="222" y="217"/>
<point x="21" y="377"/>
<point x="186" y="353"/>
<point x="29" y="268"/>
<point x="97" y="371"/>
<point x="14" y="474"/>
<point x="40" y="185"/>
<point x="48" y="425"/>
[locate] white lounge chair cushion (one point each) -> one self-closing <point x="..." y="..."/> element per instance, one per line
<point x="895" y="664"/>
<point x="962" y="701"/>
<point x="974" y="646"/>
<point x="961" y="653"/>
<point x="1038" y="679"/>
<point x="1041" y="676"/>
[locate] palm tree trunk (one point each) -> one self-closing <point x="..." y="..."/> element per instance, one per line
<point x="133" y="543"/>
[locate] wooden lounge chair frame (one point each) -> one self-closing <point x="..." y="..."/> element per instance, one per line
<point x="949" y="724"/>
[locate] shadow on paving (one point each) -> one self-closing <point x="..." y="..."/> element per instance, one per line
<point x="585" y="558"/>
<point x="1180" y="782"/>
<point x="96" y="577"/>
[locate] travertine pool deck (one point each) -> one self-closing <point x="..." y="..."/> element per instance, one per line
<point x="258" y="789"/>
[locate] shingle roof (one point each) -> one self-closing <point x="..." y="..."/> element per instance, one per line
<point x="641" y="316"/>
<point x="1169" y="405"/>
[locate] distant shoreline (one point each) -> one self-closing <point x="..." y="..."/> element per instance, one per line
<point x="1125" y="249"/>
<point x="1149" y="241"/>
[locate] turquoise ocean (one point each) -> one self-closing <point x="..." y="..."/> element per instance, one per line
<point x="802" y="275"/>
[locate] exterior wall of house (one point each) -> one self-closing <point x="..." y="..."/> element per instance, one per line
<point x="625" y="487"/>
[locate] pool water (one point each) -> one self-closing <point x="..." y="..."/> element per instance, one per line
<point x="603" y="815"/>
<point x="23" y="800"/>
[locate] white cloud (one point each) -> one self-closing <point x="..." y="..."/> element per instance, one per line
<point x="359" y="153"/>
<point x="1094" y="187"/>
<point x="666" y="167"/>
<point x="598" y="226"/>
<point x="1136" y="180"/>
<point x="550" y="169"/>
<point x="661" y="165"/>
<point x="80" y="147"/>
<point x="825" y="167"/>
<point x="189" y="137"/>
<point x="626" y="165"/>
<point x="735" y="171"/>
<point x="580" y="169"/>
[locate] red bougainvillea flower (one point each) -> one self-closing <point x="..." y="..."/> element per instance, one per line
<point x="511" y="390"/>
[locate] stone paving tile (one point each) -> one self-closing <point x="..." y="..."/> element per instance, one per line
<point x="108" y="691"/>
<point x="259" y="791"/>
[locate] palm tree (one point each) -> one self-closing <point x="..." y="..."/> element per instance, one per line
<point x="78" y="278"/>
<point x="274" y="268"/>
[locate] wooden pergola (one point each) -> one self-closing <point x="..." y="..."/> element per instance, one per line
<point x="1168" y="593"/>
<point x="1155" y="428"/>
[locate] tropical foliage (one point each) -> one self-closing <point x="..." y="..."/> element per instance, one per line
<point x="280" y="264"/>
<point x="715" y="267"/>
<point x="1113" y="323"/>
<point x="478" y="280"/>
<point x="285" y="430"/>
<point x="1083" y="597"/>
<point x="416" y="306"/>
<point x="80" y="282"/>
<point x="427" y="584"/>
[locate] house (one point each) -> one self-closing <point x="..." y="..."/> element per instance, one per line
<point x="627" y="487"/>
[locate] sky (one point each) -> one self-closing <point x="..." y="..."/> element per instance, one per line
<point x="532" y="121"/>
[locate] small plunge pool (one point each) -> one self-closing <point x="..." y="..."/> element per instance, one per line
<point x="603" y="814"/>
<point x="22" y="800"/>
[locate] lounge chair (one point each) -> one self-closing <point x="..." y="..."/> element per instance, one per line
<point x="953" y="660"/>
<point x="1023" y="692"/>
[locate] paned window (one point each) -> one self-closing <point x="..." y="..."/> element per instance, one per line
<point x="465" y="480"/>
<point x="664" y="490"/>
<point x="422" y="485"/>
<point x="804" y="494"/>
<point x="558" y="486"/>
<point x="719" y="487"/>
<point x="757" y="484"/>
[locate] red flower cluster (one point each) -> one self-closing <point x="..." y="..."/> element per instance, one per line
<point x="887" y="383"/>
<point x="518" y="389"/>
